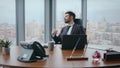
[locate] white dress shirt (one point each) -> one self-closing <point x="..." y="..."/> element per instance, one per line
<point x="70" y="29"/>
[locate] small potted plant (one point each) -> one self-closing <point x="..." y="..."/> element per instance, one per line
<point x="6" y="46"/>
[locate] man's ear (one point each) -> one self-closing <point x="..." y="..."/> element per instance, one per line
<point x="71" y="17"/>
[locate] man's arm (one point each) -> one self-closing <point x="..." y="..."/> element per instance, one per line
<point x="56" y="38"/>
<point x="78" y="29"/>
<point x="82" y="30"/>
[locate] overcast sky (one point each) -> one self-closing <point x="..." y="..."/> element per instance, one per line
<point x="97" y="10"/>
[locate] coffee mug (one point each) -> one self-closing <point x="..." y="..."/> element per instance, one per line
<point x="51" y="45"/>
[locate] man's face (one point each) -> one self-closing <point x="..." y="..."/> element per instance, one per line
<point x="67" y="18"/>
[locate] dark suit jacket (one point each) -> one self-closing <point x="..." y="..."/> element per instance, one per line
<point x="77" y="29"/>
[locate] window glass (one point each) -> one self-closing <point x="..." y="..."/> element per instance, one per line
<point x="7" y="20"/>
<point x="63" y="6"/>
<point x="103" y="25"/>
<point x="34" y="20"/>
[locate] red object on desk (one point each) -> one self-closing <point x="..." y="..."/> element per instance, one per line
<point x="96" y="55"/>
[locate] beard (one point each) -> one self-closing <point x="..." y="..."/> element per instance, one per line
<point x="66" y="21"/>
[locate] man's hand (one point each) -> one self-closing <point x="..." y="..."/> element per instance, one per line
<point x="54" y="32"/>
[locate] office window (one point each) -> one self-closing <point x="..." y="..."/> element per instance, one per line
<point x="63" y="6"/>
<point x="7" y="20"/>
<point x="103" y="25"/>
<point x="34" y="20"/>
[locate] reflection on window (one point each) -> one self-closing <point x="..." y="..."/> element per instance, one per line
<point x="7" y="20"/>
<point x="63" y="6"/>
<point x="34" y="21"/>
<point x="103" y="26"/>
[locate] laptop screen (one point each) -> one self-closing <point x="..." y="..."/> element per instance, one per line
<point x="70" y="41"/>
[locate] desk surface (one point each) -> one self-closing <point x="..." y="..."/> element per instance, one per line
<point x="56" y="59"/>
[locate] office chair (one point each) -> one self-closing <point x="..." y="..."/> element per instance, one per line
<point x="79" y="21"/>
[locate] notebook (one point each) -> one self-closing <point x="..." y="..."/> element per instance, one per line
<point x="70" y="41"/>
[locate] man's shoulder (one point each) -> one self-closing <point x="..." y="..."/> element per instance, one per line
<point x="77" y="25"/>
<point x="64" y="27"/>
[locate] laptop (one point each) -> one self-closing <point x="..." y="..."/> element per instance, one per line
<point x="71" y="41"/>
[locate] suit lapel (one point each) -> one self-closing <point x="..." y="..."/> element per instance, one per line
<point x="73" y="29"/>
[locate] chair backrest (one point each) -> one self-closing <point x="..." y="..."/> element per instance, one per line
<point x="78" y="21"/>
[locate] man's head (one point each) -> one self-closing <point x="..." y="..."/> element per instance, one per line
<point x="69" y="17"/>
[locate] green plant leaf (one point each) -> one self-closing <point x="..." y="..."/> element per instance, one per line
<point x="5" y="43"/>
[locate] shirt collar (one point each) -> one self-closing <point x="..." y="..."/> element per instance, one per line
<point x="71" y="24"/>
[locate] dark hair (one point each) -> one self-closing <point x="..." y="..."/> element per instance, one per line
<point x="71" y="14"/>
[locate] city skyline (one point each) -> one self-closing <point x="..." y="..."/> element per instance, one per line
<point x="108" y="35"/>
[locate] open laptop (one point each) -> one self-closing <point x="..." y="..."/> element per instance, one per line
<point x="70" y="41"/>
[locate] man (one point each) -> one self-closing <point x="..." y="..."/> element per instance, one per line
<point x="70" y="29"/>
